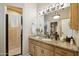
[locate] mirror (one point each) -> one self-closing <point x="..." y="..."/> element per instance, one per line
<point x="61" y="25"/>
<point x="65" y="25"/>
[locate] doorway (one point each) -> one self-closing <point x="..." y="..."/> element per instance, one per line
<point x="14" y="30"/>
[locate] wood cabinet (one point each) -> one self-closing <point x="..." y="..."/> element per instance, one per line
<point x="63" y="52"/>
<point x="74" y="15"/>
<point x="39" y="48"/>
<point x="31" y="48"/>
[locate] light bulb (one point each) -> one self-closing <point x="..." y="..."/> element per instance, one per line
<point x="56" y="17"/>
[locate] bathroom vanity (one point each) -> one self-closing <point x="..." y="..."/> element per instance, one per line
<point x="40" y="47"/>
<point x="64" y="25"/>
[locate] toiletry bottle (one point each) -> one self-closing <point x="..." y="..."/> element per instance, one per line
<point x="71" y="40"/>
<point x="56" y="36"/>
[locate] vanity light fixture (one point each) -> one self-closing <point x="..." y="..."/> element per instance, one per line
<point x="56" y="16"/>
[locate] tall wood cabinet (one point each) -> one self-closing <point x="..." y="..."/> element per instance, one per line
<point x="74" y="15"/>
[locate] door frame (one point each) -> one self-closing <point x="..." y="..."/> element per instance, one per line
<point x="7" y="47"/>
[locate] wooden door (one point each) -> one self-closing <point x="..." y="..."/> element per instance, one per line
<point x="13" y="30"/>
<point x="14" y="33"/>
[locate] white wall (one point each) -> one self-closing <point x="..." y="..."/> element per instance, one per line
<point x="29" y="15"/>
<point x="2" y="30"/>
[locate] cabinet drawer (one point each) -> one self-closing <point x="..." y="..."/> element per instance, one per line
<point x="63" y="52"/>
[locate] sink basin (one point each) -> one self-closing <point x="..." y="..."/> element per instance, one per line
<point x="37" y="37"/>
<point x="47" y="39"/>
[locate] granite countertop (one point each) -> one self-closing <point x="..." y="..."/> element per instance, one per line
<point x="58" y="43"/>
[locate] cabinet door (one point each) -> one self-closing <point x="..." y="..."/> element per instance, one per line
<point x="74" y="16"/>
<point x="46" y="52"/>
<point x="38" y="51"/>
<point x="14" y="33"/>
<point x="31" y="49"/>
<point x="42" y="51"/>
